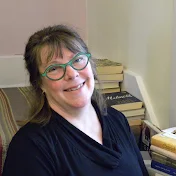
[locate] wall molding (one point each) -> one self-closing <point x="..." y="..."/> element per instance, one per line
<point x="134" y="84"/>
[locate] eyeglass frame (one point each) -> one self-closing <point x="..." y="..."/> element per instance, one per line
<point x="44" y="74"/>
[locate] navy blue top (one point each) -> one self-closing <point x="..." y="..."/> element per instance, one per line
<point x="61" y="149"/>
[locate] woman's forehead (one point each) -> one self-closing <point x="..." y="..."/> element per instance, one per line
<point x="47" y="54"/>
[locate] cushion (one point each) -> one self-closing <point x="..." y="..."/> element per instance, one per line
<point x="14" y="105"/>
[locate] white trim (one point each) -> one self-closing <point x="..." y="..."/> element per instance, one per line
<point x="134" y="84"/>
<point x="13" y="72"/>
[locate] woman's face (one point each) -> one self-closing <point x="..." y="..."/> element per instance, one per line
<point x="74" y="90"/>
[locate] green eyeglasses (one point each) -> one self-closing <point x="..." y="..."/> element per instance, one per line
<point x="57" y="71"/>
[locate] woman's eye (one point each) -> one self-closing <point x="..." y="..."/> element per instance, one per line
<point x="78" y="59"/>
<point x="52" y="69"/>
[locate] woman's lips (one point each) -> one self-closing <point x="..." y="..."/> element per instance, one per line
<point x="75" y="88"/>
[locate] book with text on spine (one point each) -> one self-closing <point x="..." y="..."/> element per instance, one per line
<point x="122" y="101"/>
<point x="106" y="66"/>
<point x="163" y="168"/>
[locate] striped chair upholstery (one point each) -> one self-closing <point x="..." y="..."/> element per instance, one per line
<point x="14" y="105"/>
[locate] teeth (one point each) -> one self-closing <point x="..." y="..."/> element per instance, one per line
<point x="76" y="88"/>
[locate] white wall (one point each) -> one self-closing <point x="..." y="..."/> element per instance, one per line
<point x="20" y="18"/>
<point x="138" y="34"/>
<point x="173" y="73"/>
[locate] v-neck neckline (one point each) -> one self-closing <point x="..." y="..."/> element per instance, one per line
<point x="107" y="154"/>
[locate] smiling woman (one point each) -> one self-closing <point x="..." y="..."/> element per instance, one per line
<point x="69" y="131"/>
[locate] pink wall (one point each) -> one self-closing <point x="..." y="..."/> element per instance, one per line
<point x="20" y="18"/>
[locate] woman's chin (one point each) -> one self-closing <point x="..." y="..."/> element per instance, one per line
<point x="81" y="103"/>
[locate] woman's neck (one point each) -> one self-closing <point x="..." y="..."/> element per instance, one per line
<point x="85" y="119"/>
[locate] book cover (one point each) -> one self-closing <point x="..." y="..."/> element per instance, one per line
<point x="163" y="159"/>
<point x="148" y="130"/>
<point x="106" y="66"/>
<point x="163" y="152"/>
<point x="163" y="168"/>
<point x="134" y="112"/>
<point x="122" y="101"/>
<point x="111" y="77"/>
<point x="165" y="140"/>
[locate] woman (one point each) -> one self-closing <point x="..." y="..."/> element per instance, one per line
<point x="71" y="132"/>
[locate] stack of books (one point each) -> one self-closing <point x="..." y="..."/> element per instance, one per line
<point x="110" y="74"/>
<point x="163" y="151"/>
<point x="130" y="106"/>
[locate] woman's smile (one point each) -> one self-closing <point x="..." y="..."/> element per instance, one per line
<point x="74" y="88"/>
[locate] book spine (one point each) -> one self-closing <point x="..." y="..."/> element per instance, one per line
<point x="163" y="152"/>
<point x="164" y="143"/>
<point x="164" y="160"/>
<point x="163" y="168"/>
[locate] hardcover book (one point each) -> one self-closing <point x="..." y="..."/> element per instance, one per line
<point x="106" y="66"/>
<point x="122" y="101"/>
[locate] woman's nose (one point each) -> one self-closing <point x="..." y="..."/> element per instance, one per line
<point x="70" y="73"/>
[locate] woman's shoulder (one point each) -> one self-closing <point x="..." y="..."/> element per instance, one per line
<point x="117" y="119"/>
<point x="115" y="115"/>
<point x="33" y="133"/>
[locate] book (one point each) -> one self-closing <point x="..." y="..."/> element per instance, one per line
<point x="106" y="84"/>
<point x="163" y="168"/>
<point x="110" y="90"/>
<point x="155" y="172"/>
<point x="106" y="66"/>
<point x="111" y="77"/>
<point x="170" y="130"/>
<point x="134" y="122"/>
<point x="134" y="112"/>
<point x="148" y="130"/>
<point x="165" y="140"/>
<point x="163" y="152"/>
<point x="163" y="159"/>
<point x="122" y="101"/>
<point x="136" y="117"/>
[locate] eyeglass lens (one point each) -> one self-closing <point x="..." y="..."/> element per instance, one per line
<point x="58" y="71"/>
